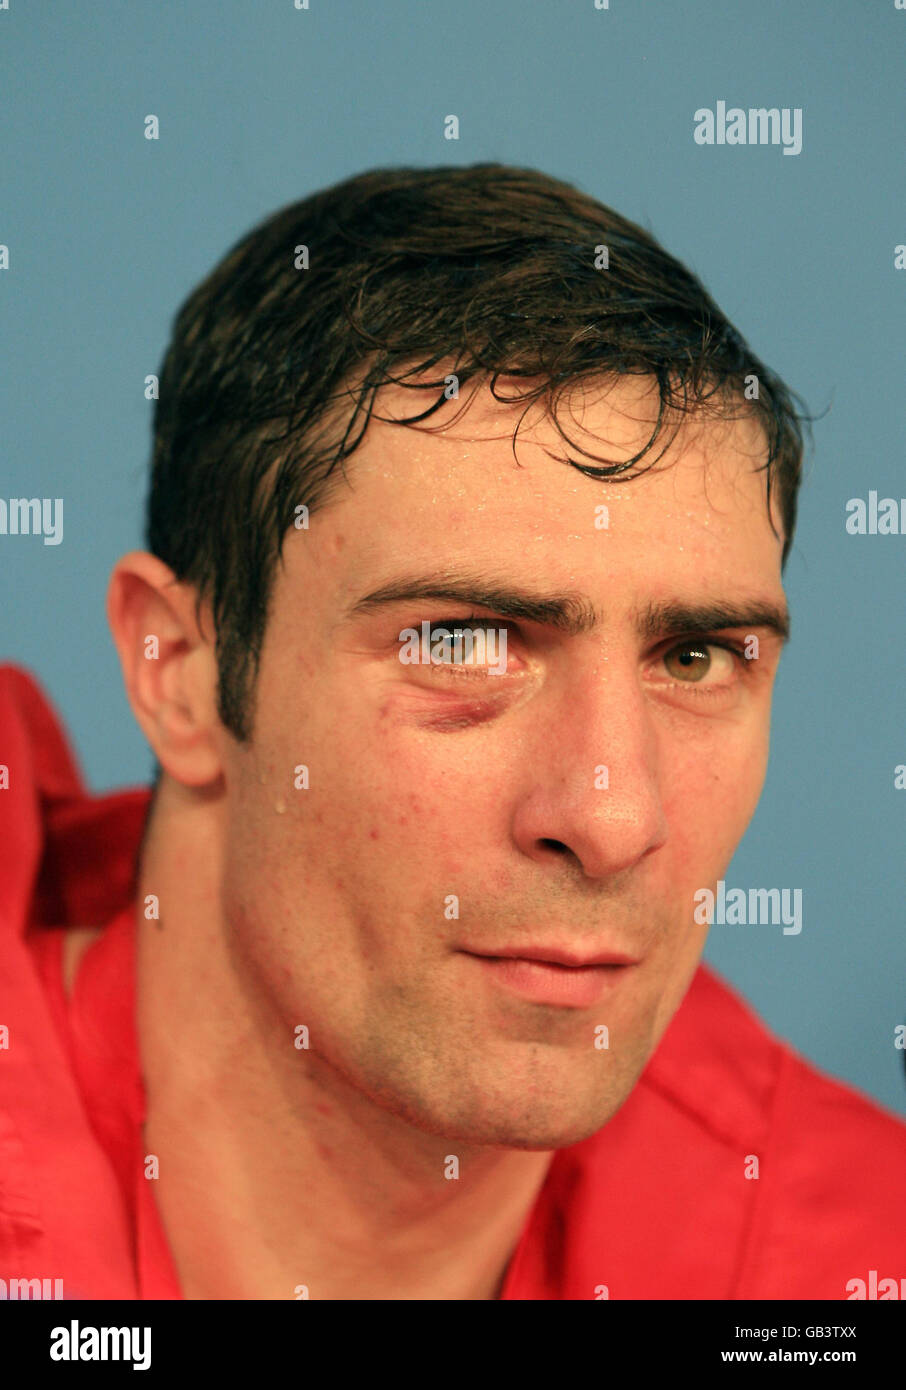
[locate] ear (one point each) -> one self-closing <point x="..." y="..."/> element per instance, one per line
<point x="169" y="667"/>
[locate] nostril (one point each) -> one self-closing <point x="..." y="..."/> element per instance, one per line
<point x="557" y="845"/>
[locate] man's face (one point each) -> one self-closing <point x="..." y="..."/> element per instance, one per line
<point x="453" y="816"/>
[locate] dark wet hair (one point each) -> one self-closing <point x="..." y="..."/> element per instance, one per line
<point x="483" y="271"/>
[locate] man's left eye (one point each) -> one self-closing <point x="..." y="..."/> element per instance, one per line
<point x="691" y="662"/>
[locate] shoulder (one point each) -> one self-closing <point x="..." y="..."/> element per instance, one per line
<point x="735" y="1169"/>
<point x="33" y="738"/>
<point x="720" y="1061"/>
<point x="67" y="856"/>
<point x="827" y="1191"/>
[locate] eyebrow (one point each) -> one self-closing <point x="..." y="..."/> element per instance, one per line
<point x="574" y="614"/>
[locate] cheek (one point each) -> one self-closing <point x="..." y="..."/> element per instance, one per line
<point x="394" y="790"/>
<point x="711" y="795"/>
<point x="373" y="819"/>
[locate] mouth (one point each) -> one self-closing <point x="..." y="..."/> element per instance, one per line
<point x="555" y="976"/>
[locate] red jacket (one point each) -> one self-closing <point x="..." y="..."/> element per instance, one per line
<point x="655" y="1205"/>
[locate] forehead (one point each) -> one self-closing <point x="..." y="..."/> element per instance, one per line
<point x="450" y="491"/>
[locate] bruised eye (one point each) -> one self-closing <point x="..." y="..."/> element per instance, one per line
<point x="469" y="647"/>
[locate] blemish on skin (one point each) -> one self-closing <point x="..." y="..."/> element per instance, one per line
<point x="280" y="806"/>
<point x="375" y="834"/>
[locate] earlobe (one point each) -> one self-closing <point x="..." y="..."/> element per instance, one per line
<point x="169" y="666"/>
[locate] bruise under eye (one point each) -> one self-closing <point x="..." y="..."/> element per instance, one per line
<point x="442" y="703"/>
<point x="448" y="721"/>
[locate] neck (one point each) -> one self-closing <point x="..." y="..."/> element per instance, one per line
<point x="275" y="1173"/>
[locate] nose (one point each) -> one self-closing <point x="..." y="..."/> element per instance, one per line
<point x="593" y="794"/>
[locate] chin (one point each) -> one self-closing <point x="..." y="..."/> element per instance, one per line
<point x="546" y="1139"/>
<point x="497" y="1125"/>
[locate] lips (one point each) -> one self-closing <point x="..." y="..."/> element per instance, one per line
<point x="549" y="975"/>
<point x="553" y="955"/>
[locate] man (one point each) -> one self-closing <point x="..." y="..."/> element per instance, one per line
<point x="403" y="999"/>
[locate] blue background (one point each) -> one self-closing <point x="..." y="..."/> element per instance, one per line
<point x="262" y="104"/>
